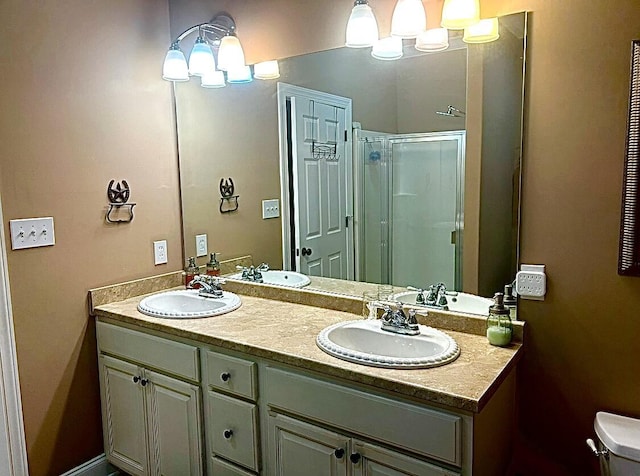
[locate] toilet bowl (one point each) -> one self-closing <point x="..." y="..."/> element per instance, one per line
<point x="618" y="445"/>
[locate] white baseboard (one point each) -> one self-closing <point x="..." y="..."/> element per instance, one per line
<point x="97" y="466"/>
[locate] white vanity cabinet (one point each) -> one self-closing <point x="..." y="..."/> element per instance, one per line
<point x="151" y="410"/>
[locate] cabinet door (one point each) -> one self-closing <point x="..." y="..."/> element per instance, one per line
<point x="372" y="460"/>
<point x="300" y="448"/>
<point x="123" y="415"/>
<point x="173" y="407"/>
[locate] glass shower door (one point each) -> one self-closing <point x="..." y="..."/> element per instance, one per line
<point x="426" y="209"/>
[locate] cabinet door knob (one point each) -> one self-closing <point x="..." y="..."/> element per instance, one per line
<point x="225" y="376"/>
<point x="227" y="434"/>
<point x="339" y="452"/>
<point x="144" y="382"/>
<point x="136" y="379"/>
<point x="355" y="458"/>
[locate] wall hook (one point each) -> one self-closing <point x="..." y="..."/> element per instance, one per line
<point x="118" y="197"/>
<point x="227" y="197"/>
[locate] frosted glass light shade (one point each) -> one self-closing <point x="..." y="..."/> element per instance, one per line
<point x="201" y="60"/>
<point x="175" y="67"/>
<point x="266" y="70"/>
<point x="239" y="75"/>
<point x="213" y="79"/>
<point x="409" y="19"/>
<point x="389" y="48"/>
<point x="482" y="32"/>
<point x="459" y="14"/>
<point x="435" y="39"/>
<point x="230" y="54"/>
<point x="362" y="27"/>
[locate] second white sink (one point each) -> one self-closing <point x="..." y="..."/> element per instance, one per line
<point x="291" y="279"/>
<point x="363" y="342"/>
<point x="187" y="304"/>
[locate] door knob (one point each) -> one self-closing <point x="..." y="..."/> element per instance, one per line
<point x="306" y="251"/>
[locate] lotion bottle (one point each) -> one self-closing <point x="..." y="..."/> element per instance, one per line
<point x="190" y="271"/>
<point x="213" y="266"/>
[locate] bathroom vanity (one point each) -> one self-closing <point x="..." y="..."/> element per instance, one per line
<point x="249" y="392"/>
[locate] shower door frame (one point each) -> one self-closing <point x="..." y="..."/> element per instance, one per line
<point x="388" y="139"/>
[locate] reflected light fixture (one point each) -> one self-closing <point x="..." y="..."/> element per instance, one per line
<point x="213" y="79"/>
<point x="266" y="70"/>
<point x="218" y="35"/>
<point x="435" y="39"/>
<point x="459" y="14"/>
<point x="240" y="74"/>
<point x="389" y="48"/>
<point x="230" y="55"/>
<point x="482" y="32"/>
<point x="362" y="27"/>
<point x="409" y="19"/>
<point x="175" y="65"/>
<point x="201" y="60"/>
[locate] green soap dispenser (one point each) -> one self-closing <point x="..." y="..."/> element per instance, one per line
<point x="213" y="266"/>
<point x="499" y="327"/>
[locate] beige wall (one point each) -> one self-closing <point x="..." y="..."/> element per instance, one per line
<point x="81" y="103"/>
<point x="101" y="116"/>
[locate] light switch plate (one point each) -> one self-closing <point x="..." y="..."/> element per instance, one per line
<point x="160" y="252"/>
<point x="32" y="233"/>
<point x="270" y="208"/>
<point x="201" y="245"/>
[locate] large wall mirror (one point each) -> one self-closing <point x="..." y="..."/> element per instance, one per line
<point x="433" y="156"/>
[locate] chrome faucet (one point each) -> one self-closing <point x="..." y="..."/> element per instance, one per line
<point x="436" y="296"/>
<point x="395" y="320"/>
<point x="252" y="273"/>
<point x="210" y="286"/>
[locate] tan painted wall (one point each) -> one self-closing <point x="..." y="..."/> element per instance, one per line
<point x="81" y="103"/>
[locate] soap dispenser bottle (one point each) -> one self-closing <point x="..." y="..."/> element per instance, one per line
<point x="510" y="301"/>
<point x="499" y="327"/>
<point x="191" y="271"/>
<point x="213" y="266"/>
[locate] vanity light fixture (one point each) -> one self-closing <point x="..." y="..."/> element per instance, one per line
<point x="459" y="14"/>
<point x="409" y="19"/>
<point x="175" y="65"/>
<point x="230" y="55"/>
<point x="389" y="48"/>
<point x="435" y="39"/>
<point x="362" y="27"/>
<point x="213" y="80"/>
<point x="266" y="70"/>
<point x="201" y="59"/>
<point x="239" y="75"/>
<point x="482" y="32"/>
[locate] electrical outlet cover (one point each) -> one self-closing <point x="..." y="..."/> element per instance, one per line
<point x="160" y="252"/>
<point x="201" y="245"/>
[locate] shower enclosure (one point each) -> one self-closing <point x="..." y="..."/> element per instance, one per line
<point x="409" y="207"/>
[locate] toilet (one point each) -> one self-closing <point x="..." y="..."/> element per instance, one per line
<point x="618" y="445"/>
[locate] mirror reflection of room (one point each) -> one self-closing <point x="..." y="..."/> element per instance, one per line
<point x="433" y="163"/>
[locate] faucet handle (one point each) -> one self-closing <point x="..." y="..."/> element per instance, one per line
<point x="263" y="267"/>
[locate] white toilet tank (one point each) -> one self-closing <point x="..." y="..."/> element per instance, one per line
<point x="620" y="437"/>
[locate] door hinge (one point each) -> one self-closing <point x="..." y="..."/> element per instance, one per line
<point x="345" y="136"/>
<point x="297" y="251"/>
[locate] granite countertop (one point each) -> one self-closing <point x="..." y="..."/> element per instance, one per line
<point x="286" y="332"/>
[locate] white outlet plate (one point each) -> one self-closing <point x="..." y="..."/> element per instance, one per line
<point x="270" y="208"/>
<point x="531" y="282"/>
<point x="160" y="252"/>
<point x="32" y="233"/>
<point x="201" y="245"/>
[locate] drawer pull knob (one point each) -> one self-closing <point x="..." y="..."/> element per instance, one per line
<point x="227" y="434"/>
<point x="144" y="382"/>
<point x="355" y="458"/>
<point x="225" y="376"/>
<point x="136" y="379"/>
<point x="339" y="452"/>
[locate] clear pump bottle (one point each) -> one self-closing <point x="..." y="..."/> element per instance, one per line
<point x="213" y="266"/>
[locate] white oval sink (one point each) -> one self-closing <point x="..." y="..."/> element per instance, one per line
<point x="363" y="342"/>
<point x="187" y="304"/>
<point x="462" y="302"/>
<point x="291" y="279"/>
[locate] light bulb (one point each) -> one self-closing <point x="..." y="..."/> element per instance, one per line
<point x="201" y="59"/>
<point x="213" y="79"/>
<point x="482" y="32"/>
<point x="230" y="54"/>
<point x="459" y="14"/>
<point x="239" y="75"/>
<point x="175" y="65"/>
<point x="389" y="48"/>
<point x="435" y="39"/>
<point x="266" y="70"/>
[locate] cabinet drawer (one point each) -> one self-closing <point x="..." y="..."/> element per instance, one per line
<point x="220" y="467"/>
<point x="231" y="374"/>
<point x="232" y="429"/>
<point x="151" y="351"/>
<point x="432" y="433"/>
